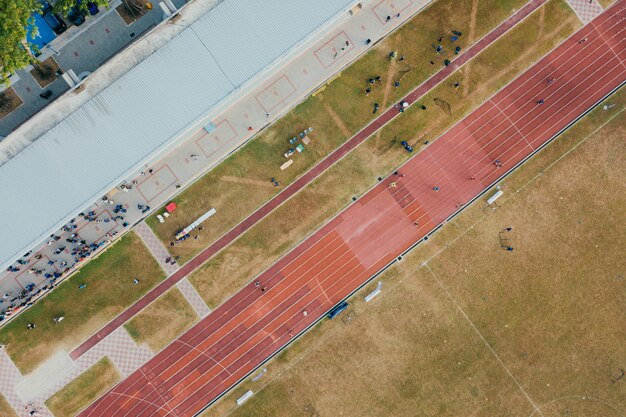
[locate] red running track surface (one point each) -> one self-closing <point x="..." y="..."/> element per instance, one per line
<point x="336" y="260"/>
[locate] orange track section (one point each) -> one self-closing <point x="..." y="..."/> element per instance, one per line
<point x="344" y="254"/>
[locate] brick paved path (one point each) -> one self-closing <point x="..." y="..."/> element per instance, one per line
<point x="9" y="378"/>
<point x="309" y="176"/>
<point x="156" y="248"/>
<point x="586" y="10"/>
<point x="119" y="347"/>
<point x="193" y="297"/>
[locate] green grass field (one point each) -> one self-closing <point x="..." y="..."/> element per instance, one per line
<point x="357" y="172"/>
<point x="109" y="291"/>
<point x="162" y="321"/>
<point x="464" y="327"/>
<point x="83" y="390"/>
<point x="336" y="114"/>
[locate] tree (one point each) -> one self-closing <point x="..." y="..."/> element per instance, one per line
<point x="15" y="53"/>
<point x="63" y="6"/>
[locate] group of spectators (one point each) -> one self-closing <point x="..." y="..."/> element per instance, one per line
<point x="55" y="268"/>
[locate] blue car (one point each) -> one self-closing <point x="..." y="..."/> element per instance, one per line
<point x="75" y="16"/>
<point x="52" y="19"/>
<point x="91" y="6"/>
<point x="337" y="310"/>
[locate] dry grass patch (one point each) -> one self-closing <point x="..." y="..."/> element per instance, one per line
<point x="83" y="390"/>
<point x="606" y="3"/>
<point x="554" y="308"/>
<point x="162" y="321"/>
<point x="109" y="291"/>
<point x="351" y="110"/>
<point x="358" y="171"/>
<point x="5" y="408"/>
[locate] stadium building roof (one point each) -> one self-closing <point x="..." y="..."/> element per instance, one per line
<point x="142" y="113"/>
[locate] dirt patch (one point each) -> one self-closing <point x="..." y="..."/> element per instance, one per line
<point x="340" y="124"/>
<point x="606" y="3"/>
<point x="248" y="181"/>
<point x="542" y="20"/>
<point x="9" y="101"/>
<point x="46" y="72"/>
<point x="471" y="35"/>
<point x="131" y="10"/>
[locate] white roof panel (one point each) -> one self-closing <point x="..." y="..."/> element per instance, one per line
<point x="262" y="32"/>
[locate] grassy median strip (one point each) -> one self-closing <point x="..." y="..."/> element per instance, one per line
<point x="5" y="408"/>
<point x="162" y="321"/>
<point x="606" y="3"/>
<point x="109" y="290"/>
<point x="241" y="183"/>
<point x="83" y="390"/>
<point x="484" y="329"/>
<point x="357" y="172"/>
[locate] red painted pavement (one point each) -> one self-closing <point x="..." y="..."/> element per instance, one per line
<point x="291" y="295"/>
<point x="300" y="183"/>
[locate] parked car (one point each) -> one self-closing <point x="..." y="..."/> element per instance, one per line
<point x="337" y="309"/>
<point x="75" y="16"/>
<point x="52" y="19"/>
<point x="91" y="7"/>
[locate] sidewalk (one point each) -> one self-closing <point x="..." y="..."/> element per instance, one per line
<point x="156" y="248"/>
<point x="306" y="178"/>
<point x="35" y="388"/>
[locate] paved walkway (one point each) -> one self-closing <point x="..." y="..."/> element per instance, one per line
<point x="316" y="171"/>
<point x="586" y="10"/>
<point x="156" y="248"/>
<point x="35" y="388"/>
<point x="193" y="297"/>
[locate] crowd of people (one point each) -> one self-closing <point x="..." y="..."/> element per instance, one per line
<point x="56" y="267"/>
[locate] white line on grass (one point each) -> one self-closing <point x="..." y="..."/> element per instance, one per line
<point x="471" y="323"/>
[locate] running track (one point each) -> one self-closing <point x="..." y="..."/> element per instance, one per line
<point x="304" y="180"/>
<point x="258" y="321"/>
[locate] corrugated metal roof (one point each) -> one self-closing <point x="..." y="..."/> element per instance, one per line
<point x="261" y="33"/>
<point x="95" y="147"/>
